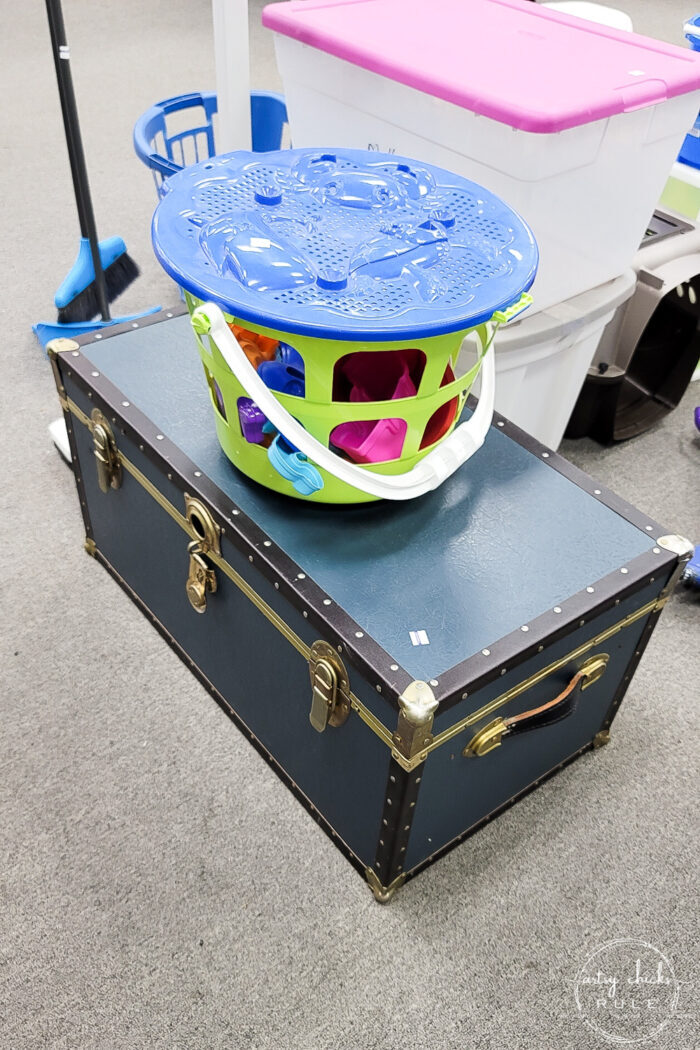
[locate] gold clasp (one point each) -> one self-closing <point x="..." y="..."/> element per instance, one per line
<point x="201" y="578"/>
<point x="330" y="687"/>
<point x="109" y="468"/>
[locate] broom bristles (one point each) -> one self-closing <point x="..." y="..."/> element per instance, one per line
<point x="84" y="306"/>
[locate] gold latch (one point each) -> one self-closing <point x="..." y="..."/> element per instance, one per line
<point x="330" y="687"/>
<point x="109" y="468"/>
<point x="201" y="577"/>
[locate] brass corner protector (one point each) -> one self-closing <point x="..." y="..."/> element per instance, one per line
<point x="61" y="346"/>
<point x="602" y="738"/>
<point x="678" y="545"/>
<point x="413" y="734"/>
<point x="90" y="546"/>
<point x="383" y="894"/>
<point x="683" y="549"/>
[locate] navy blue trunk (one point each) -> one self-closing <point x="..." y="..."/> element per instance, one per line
<point x="452" y="652"/>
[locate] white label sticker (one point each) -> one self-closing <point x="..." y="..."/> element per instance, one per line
<point x="419" y="637"/>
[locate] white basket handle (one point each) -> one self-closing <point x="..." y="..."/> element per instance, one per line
<point x="426" y="475"/>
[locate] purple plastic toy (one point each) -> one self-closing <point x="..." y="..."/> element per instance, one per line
<point x="252" y="420"/>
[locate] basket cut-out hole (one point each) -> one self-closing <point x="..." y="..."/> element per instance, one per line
<point x="378" y="375"/>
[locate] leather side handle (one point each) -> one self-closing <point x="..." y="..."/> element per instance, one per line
<point x="561" y="706"/>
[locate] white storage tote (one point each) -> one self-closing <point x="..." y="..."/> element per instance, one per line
<point x="542" y="361"/>
<point x="572" y="123"/>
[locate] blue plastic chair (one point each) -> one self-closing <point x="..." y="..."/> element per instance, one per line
<point x="166" y="150"/>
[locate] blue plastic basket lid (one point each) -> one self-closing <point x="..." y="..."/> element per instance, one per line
<point x="350" y="245"/>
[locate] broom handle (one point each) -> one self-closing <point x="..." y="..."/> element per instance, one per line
<point x="86" y="215"/>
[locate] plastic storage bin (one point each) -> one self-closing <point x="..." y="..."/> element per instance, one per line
<point x="606" y="16"/>
<point x="543" y="360"/>
<point x="574" y="124"/>
<point x="347" y="282"/>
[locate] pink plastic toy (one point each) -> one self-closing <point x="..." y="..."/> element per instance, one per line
<point x="375" y="377"/>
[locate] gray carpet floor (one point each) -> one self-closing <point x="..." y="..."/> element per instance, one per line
<point x="159" y="887"/>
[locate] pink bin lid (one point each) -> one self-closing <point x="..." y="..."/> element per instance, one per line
<point x="521" y="64"/>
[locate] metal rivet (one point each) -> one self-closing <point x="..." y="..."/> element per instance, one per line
<point x="433" y="682"/>
<point x="464" y="696"/>
<point x="500" y="423"/>
<point x="305" y="614"/>
<point x="75" y="353"/>
<point x="267" y="543"/>
<point x="412" y="805"/>
<point x="392" y="778"/>
<point x="277" y="586"/>
<point x="340" y="648"/>
<point x="394" y="667"/>
<point x="557" y="608"/>
<point x="624" y="571"/>
<point x="407" y="827"/>
<point x="381" y="842"/>
<point x="389" y="802"/>
<point x="95" y="375"/>
<point x="418" y="780"/>
<point x="378" y="688"/>
<point x="377" y="865"/>
<point x="657" y="550"/>
<point x="168" y="315"/>
<point x="134" y="324"/>
<point x="326" y="601"/>
<point x="524" y="628"/>
<point x="402" y="850"/>
<point x="198" y="473"/>
<point x="98" y="335"/>
<point x="385" y="822"/>
<point x="159" y="437"/>
<point x="540" y="648"/>
<point x="545" y="455"/>
<point x="617" y="601"/>
<point x="359" y="634"/>
<point x="399" y="867"/>
<point x="140" y="448"/>
<point x="596" y="492"/>
<point x="485" y="652"/>
<point x="590" y="590"/>
<point x="301" y="576"/>
<point x="581" y="623"/>
<point x="651" y="579"/>
<point x="649" y="528"/>
<point x="235" y="512"/>
<point x="250" y="558"/>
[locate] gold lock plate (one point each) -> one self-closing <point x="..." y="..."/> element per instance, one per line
<point x="109" y="468"/>
<point x="330" y="687"/>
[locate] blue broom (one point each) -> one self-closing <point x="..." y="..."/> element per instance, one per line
<point x="102" y="270"/>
